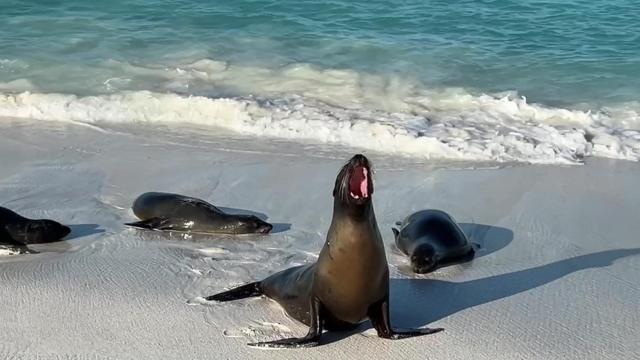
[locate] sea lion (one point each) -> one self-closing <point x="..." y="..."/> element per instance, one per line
<point x="350" y="280"/>
<point x="432" y="239"/>
<point x="164" y="211"/>
<point x="18" y="231"/>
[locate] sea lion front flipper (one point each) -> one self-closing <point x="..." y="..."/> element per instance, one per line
<point x="379" y="315"/>
<point x="8" y="240"/>
<point x="396" y="232"/>
<point x="311" y="339"/>
<point x="20" y="248"/>
<point x="24" y="249"/>
<point x="156" y="223"/>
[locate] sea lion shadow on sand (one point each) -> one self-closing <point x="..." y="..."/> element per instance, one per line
<point x="439" y="298"/>
<point x="82" y="230"/>
<point x="280" y="227"/>
<point x="78" y="231"/>
<point x="419" y="302"/>
<point x="487" y="239"/>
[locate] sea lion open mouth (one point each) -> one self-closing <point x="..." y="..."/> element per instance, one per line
<point x="359" y="183"/>
<point x="354" y="183"/>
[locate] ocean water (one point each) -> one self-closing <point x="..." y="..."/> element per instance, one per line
<point x="532" y="81"/>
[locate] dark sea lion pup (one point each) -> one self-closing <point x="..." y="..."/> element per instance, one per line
<point x="172" y="212"/>
<point x="432" y="239"/>
<point x="18" y="231"/>
<point x="350" y="281"/>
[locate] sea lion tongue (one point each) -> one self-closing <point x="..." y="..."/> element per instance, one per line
<point x="359" y="183"/>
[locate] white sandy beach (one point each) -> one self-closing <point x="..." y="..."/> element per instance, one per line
<point x="557" y="275"/>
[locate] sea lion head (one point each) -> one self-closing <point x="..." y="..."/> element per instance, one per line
<point x="354" y="186"/>
<point x="44" y="231"/>
<point x="423" y="259"/>
<point x="251" y="224"/>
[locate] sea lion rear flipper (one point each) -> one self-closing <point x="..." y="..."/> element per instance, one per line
<point x="156" y="223"/>
<point x="379" y="315"/>
<point x="241" y="292"/>
<point x="8" y="240"/>
<point x="311" y="339"/>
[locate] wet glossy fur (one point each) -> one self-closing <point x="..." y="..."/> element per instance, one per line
<point x="432" y="239"/>
<point x="348" y="284"/>
<point x="173" y="212"/>
<point x="19" y="231"/>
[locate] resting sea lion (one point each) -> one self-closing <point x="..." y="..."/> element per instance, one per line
<point x="18" y="231"/>
<point x="432" y="239"/>
<point x="164" y="211"/>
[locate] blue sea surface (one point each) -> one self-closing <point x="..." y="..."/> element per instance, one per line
<point x="535" y="81"/>
<point x="558" y="52"/>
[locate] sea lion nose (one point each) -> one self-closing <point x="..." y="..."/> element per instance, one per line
<point x="359" y="158"/>
<point x="65" y="231"/>
<point x="265" y="229"/>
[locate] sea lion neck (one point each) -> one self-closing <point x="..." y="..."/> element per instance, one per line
<point x="360" y="223"/>
<point x="355" y="213"/>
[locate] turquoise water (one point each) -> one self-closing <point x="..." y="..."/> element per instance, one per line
<point x="550" y="51"/>
<point x="537" y="81"/>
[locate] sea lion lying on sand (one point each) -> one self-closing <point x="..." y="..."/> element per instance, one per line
<point x="18" y="231"/>
<point x="432" y="239"/>
<point x="172" y="212"/>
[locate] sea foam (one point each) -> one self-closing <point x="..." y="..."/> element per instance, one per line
<point x="461" y="127"/>
<point x="382" y="113"/>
